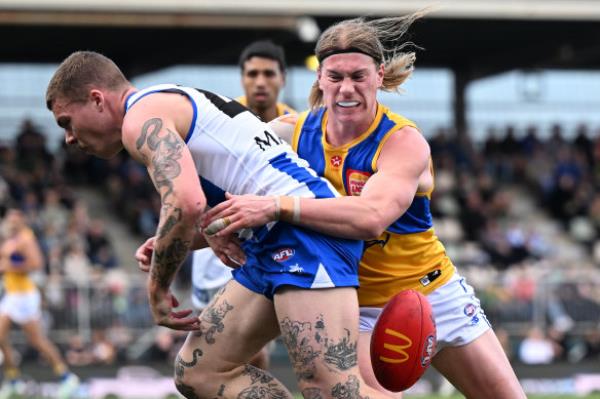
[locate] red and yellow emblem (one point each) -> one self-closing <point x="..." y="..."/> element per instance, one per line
<point x="355" y="181"/>
<point x="399" y="348"/>
<point x="336" y="161"/>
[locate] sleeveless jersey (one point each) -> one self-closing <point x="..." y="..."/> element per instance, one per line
<point x="408" y="254"/>
<point x="235" y="152"/>
<point x="282" y="108"/>
<point x="14" y="281"/>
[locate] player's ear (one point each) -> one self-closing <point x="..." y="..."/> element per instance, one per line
<point x="319" y="74"/>
<point x="380" y="74"/>
<point x="97" y="98"/>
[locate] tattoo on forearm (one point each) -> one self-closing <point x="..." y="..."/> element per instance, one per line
<point x="296" y="337"/>
<point x="172" y="220"/>
<point x="342" y="355"/>
<point x="181" y="365"/>
<point x="256" y="374"/>
<point x="166" y="262"/>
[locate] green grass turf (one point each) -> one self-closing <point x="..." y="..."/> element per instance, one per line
<point x="529" y="397"/>
<point x="595" y="396"/>
<point x="298" y="396"/>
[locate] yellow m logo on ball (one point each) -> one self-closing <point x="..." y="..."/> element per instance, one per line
<point x="399" y="349"/>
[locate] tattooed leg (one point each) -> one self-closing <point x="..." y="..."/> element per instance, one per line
<point x="212" y="363"/>
<point x="321" y="337"/>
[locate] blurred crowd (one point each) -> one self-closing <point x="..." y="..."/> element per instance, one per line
<point x="522" y="214"/>
<point x="519" y="214"/>
<point x="76" y="246"/>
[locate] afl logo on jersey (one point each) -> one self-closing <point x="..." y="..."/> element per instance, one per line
<point x="283" y="254"/>
<point x="336" y="161"/>
<point x="355" y="181"/>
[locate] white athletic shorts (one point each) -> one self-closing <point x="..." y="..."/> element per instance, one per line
<point x="209" y="275"/>
<point x="458" y="315"/>
<point x="21" y="307"/>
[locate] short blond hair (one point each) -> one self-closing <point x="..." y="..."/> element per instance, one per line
<point x="377" y="38"/>
<point x="81" y="71"/>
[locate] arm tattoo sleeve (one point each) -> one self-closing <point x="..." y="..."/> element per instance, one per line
<point x="164" y="149"/>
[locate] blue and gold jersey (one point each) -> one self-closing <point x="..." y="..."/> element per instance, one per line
<point x="408" y="254"/>
<point x="16" y="281"/>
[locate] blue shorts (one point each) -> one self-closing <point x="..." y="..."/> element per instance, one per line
<point x="291" y="255"/>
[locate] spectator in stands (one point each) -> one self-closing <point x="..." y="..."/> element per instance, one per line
<point x="99" y="247"/>
<point x="78" y="353"/>
<point x="536" y="348"/>
<point x="592" y="343"/>
<point x="76" y="265"/>
<point x="103" y="350"/>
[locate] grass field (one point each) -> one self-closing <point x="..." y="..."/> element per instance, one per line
<point x="595" y="396"/>
<point x="529" y="397"/>
<point x="298" y="396"/>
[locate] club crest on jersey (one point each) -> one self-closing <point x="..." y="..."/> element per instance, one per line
<point x="469" y="309"/>
<point x="283" y="254"/>
<point x="355" y="181"/>
<point x="336" y="161"/>
<point x="428" y="351"/>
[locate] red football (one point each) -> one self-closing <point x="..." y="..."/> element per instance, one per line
<point x="403" y="341"/>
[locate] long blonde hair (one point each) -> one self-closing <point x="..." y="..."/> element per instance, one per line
<point x="377" y="38"/>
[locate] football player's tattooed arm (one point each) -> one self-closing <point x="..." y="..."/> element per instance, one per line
<point x="170" y="166"/>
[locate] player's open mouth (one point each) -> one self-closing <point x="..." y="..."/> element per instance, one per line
<point x="347" y="104"/>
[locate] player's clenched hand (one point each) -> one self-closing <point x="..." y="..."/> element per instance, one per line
<point x="143" y="254"/>
<point x="238" y="212"/>
<point x="228" y="249"/>
<point x="162" y="303"/>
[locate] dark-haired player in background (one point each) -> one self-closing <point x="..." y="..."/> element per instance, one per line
<point x="263" y="68"/>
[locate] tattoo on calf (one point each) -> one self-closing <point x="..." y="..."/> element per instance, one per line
<point x="181" y="365"/>
<point x="342" y="355"/>
<point x="312" y="393"/>
<point x="186" y="390"/>
<point x="270" y="391"/>
<point x="348" y="390"/>
<point x="256" y="374"/>
<point x="296" y="337"/>
<point x="262" y="385"/>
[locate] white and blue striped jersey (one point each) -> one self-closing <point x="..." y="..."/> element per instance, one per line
<point x="235" y="152"/>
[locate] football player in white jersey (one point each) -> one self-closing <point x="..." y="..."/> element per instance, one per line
<point x="196" y="146"/>
<point x="263" y="68"/>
